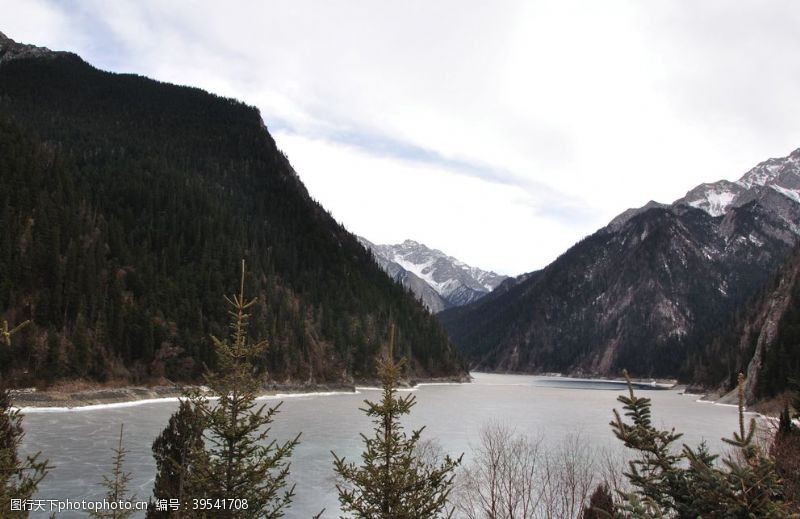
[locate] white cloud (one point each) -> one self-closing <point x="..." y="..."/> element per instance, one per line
<point x="436" y="206"/>
<point x="522" y="126"/>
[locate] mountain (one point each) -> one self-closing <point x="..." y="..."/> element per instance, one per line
<point x="763" y="339"/>
<point x="127" y="205"/>
<point x="439" y="280"/>
<point x="11" y="50"/>
<point x="649" y="292"/>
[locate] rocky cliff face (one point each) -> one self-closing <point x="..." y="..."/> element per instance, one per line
<point x="764" y="339"/>
<point x="647" y="292"/>
<point x="11" y="50"/>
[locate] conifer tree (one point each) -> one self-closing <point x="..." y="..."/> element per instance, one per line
<point x="393" y="482"/>
<point x="116" y="485"/>
<point x="237" y="458"/>
<point x="601" y="504"/>
<point x="687" y="484"/>
<point x="171" y="450"/>
<point x="19" y="479"/>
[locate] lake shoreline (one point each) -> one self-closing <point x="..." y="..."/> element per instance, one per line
<point x="104" y="396"/>
<point x="658" y="383"/>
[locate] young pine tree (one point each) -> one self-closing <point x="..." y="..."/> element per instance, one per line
<point x="237" y="459"/>
<point x="601" y="504"/>
<point x="171" y="450"/>
<point x="19" y="478"/>
<point x="116" y="485"/>
<point x="687" y="484"/>
<point x="393" y="482"/>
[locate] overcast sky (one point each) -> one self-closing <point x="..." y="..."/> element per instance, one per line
<point x="499" y="132"/>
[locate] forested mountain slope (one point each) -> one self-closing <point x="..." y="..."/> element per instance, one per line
<point x="126" y="206"/>
<point x="764" y="339"/>
<point x="648" y="293"/>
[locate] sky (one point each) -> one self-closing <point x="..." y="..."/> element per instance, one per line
<point x="499" y="132"/>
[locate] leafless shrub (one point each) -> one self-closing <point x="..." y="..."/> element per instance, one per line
<point x="513" y="476"/>
<point x="501" y="482"/>
<point x="570" y="477"/>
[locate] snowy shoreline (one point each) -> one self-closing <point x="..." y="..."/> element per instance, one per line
<point x="167" y="399"/>
<point x="109" y="398"/>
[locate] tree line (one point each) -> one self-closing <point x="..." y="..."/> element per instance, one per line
<point x="221" y="450"/>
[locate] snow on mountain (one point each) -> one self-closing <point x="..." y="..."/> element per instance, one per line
<point x="781" y="175"/>
<point x="650" y="292"/>
<point x="447" y="281"/>
<point x="714" y="198"/>
<point x="774" y="182"/>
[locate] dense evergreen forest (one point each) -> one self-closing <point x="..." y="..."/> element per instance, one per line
<point x="763" y="339"/>
<point x="126" y="205"/>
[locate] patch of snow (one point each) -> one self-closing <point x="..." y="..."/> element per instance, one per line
<point x="174" y="399"/>
<point x="715" y="201"/>
<point x="755" y="240"/>
<point x="424" y="271"/>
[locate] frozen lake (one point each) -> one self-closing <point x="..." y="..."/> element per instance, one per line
<point x="79" y="442"/>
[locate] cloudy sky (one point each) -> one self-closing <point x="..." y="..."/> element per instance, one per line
<point x="499" y="132"/>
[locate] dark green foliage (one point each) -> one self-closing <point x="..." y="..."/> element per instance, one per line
<point x="237" y="458"/>
<point x="687" y="483"/>
<point x="601" y="504"/>
<point x="19" y="478"/>
<point x="116" y="485"/>
<point x="171" y="450"/>
<point x="126" y="204"/>
<point x="392" y="481"/>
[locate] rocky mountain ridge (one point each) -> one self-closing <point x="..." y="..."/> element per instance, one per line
<point x="11" y="50"/>
<point x="648" y="292"/>
<point x="439" y="280"/>
<point x="775" y="182"/>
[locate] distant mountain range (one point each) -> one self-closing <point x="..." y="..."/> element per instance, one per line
<point x="650" y="292"/>
<point x="439" y="280"/>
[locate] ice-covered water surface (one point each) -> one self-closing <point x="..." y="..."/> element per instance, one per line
<point x="79" y="443"/>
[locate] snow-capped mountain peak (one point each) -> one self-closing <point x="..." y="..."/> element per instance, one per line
<point x="774" y="183"/>
<point x="714" y="198"/>
<point x="453" y="282"/>
<point x="777" y="175"/>
<point x="772" y="171"/>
